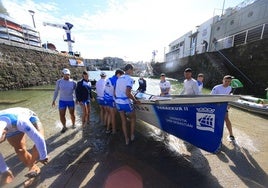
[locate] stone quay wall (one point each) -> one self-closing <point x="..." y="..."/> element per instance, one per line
<point x="22" y="67"/>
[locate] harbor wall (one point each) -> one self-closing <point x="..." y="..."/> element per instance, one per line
<point x="248" y="63"/>
<point x="22" y="67"/>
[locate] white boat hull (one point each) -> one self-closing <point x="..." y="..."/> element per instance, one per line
<point x="251" y="106"/>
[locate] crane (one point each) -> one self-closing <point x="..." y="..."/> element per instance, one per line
<point x="67" y="27"/>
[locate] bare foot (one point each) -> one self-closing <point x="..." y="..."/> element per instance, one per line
<point x="7" y="177"/>
<point x="35" y="168"/>
<point x="32" y="176"/>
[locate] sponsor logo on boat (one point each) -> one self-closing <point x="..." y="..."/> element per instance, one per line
<point x="205" y="119"/>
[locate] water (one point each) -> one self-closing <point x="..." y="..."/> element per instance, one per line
<point x="152" y="83"/>
<point x="154" y="151"/>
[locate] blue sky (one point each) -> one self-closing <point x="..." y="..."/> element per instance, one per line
<point x="128" y="29"/>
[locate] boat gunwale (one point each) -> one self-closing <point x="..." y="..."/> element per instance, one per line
<point x="191" y="99"/>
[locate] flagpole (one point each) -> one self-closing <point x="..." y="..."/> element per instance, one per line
<point x="222" y="7"/>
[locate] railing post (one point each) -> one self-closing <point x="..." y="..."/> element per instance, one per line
<point x="263" y="27"/>
<point x="246" y="37"/>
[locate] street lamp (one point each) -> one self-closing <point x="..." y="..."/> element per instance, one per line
<point x="32" y="14"/>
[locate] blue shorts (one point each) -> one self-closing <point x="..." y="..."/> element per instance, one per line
<point x="13" y="133"/>
<point x="124" y="107"/>
<point x="86" y="102"/>
<point x="65" y="104"/>
<point x="101" y="102"/>
<point x="110" y="104"/>
<point x="33" y="119"/>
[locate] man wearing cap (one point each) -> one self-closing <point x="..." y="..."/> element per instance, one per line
<point x="100" y="85"/>
<point x="190" y="86"/>
<point x="225" y="89"/>
<point x="66" y="87"/>
<point x="83" y="97"/>
<point x="15" y="124"/>
<point x="124" y="102"/>
<point x="164" y="86"/>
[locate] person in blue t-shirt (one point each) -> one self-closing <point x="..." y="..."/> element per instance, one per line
<point x="109" y="100"/>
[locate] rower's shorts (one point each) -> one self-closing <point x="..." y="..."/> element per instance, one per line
<point x="33" y="119"/>
<point x="13" y="133"/>
<point x="101" y="102"/>
<point x="124" y="107"/>
<point x="65" y="104"/>
<point x="86" y="102"/>
<point x="110" y="103"/>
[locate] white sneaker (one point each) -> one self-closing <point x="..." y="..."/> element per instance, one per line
<point x="231" y="138"/>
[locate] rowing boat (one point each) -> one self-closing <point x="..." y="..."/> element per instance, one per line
<point x="197" y="119"/>
<point x="252" y="104"/>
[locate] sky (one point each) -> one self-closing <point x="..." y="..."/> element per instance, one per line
<point x="128" y="29"/>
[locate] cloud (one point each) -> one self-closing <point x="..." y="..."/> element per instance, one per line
<point x="122" y="28"/>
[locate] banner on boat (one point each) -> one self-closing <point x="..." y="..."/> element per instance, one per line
<point x="198" y="124"/>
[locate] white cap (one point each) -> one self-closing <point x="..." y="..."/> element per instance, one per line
<point x="3" y="125"/>
<point x="102" y="74"/>
<point x="66" y="71"/>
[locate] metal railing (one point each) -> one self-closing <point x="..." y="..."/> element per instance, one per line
<point x="256" y="33"/>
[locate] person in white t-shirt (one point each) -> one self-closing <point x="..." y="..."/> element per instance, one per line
<point x="200" y="79"/>
<point x="225" y="89"/>
<point x="164" y="85"/>
<point x="100" y="86"/>
<point x="190" y="86"/>
<point x="124" y="100"/>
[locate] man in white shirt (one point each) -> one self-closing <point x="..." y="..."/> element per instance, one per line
<point x="190" y="85"/>
<point x="164" y="86"/>
<point x="225" y="89"/>
<point x="124" y="100"/>
<point x="100" y="86"/>
<point x="200" y="79"/>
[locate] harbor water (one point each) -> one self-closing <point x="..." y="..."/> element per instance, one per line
<point x="161" y="159"/>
